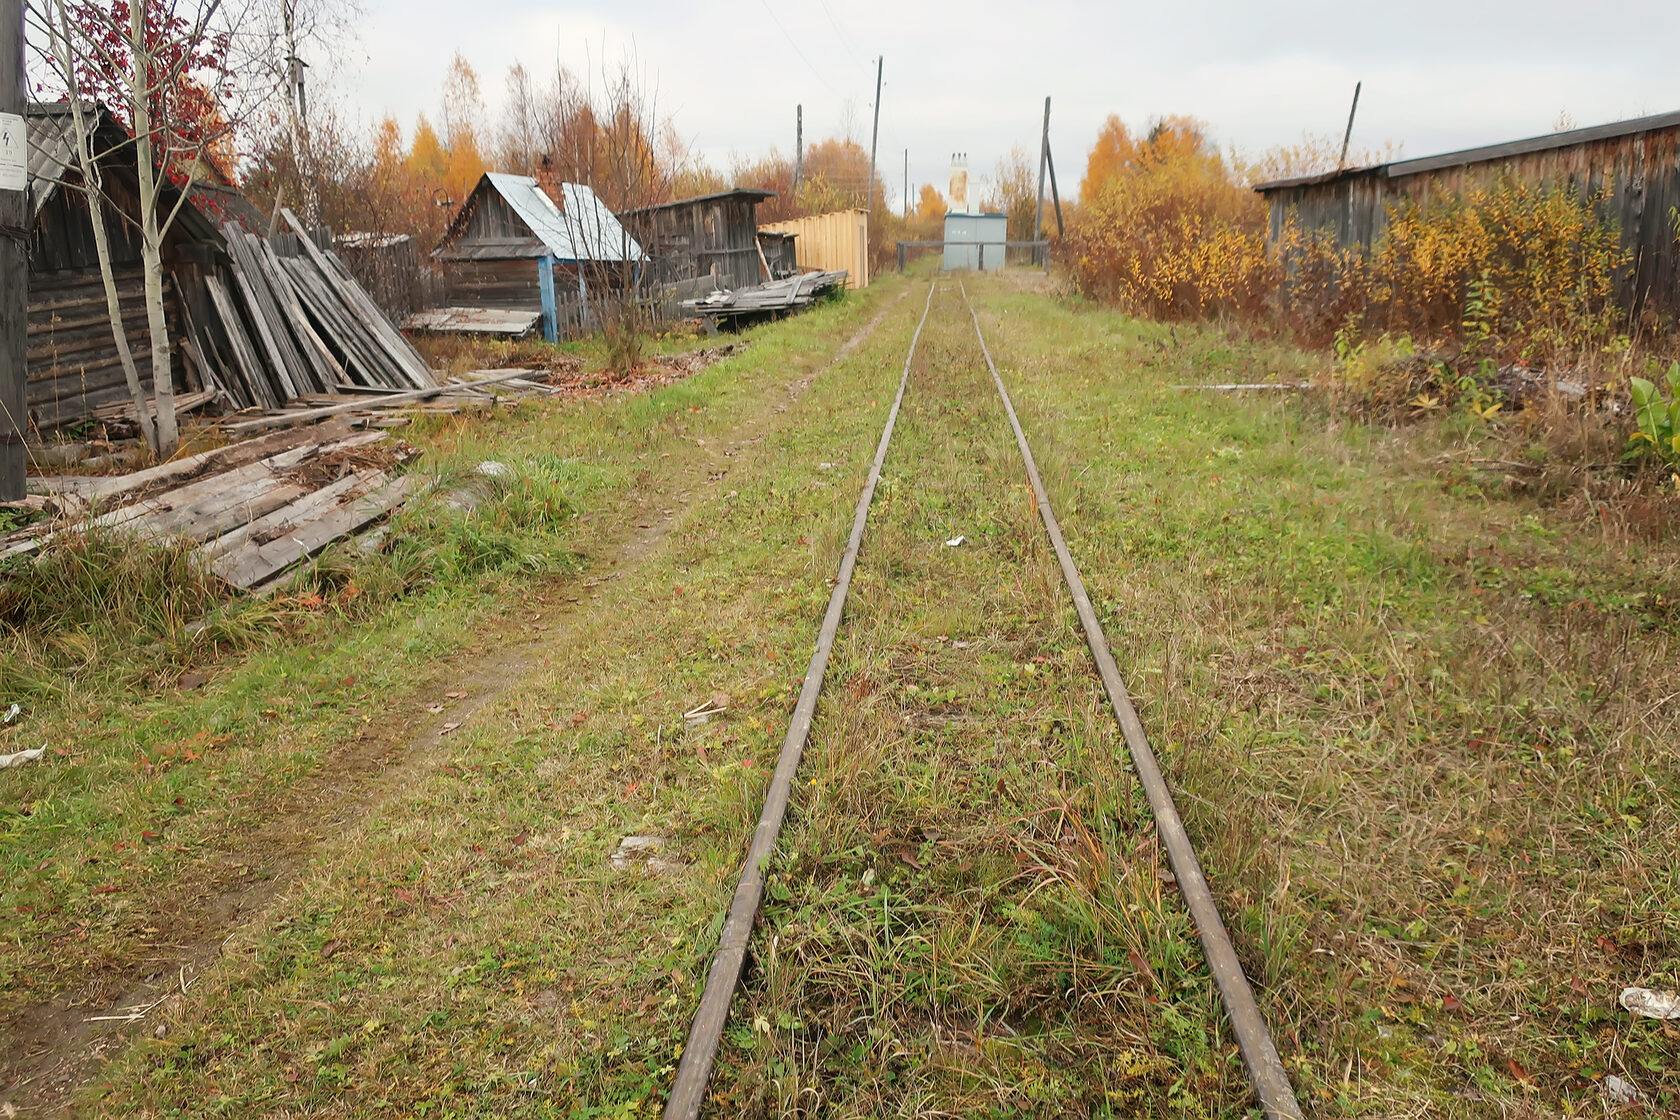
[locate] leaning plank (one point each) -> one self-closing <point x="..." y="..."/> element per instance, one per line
<point x="326" y="369"/>
<point x="276" y="309"/>
<point x="253" y="379"/>
<point x="255" y="563"/>
<point x="394" y="400"/>
<point x="360" y="359"/>
<point x="256" y="302"/>
<point x="407" y="364"/>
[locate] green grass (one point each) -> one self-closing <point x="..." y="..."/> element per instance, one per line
<point x="161" y="817"/>
<point x="1420" y="726"/>
<point x="1423" y="728"/>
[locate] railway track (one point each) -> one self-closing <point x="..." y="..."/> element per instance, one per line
<point x="1265" y="1069"/>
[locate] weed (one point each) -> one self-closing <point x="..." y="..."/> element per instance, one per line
<point x="1658" y="417"/>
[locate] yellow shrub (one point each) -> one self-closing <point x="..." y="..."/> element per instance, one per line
<point x="1172" y="235"/>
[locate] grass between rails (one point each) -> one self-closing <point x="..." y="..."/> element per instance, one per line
<point x="159" y="817"/>
<point x="969" y="914"/>
<point x="1422" y="731"/>
<point x="463" y="945"/>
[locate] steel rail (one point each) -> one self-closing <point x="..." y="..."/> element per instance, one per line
<point x="694" y="1071"/>
<point x="1260" y="1055"/>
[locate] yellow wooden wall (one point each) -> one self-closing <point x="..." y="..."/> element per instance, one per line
<point x="831" y="242"/>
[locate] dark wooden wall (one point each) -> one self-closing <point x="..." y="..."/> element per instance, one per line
<point x="507" y="284"/>
<point x="72" y="360"/>
<point x="686" y="240"/>
<point x="1641" y="171"/>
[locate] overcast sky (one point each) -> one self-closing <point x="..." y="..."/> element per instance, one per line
<point x="1438" y="74"/>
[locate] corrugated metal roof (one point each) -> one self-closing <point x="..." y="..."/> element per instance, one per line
<point x="753" y="194"/>
<point x="1486" y="153"/>
<point x="52" y="151"/>
<point x="580" y="228"/>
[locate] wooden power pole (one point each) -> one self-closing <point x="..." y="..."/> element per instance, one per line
<point x="1347" y="136"/>
<point x="1043" y="161"/>
<point x="875" y="134"/>
<point x="14" y="252"/>
<point x="798" y="145"/>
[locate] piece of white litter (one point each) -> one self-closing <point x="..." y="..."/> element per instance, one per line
<point x="955" y="542"/>
<point x="12" y="713"/>
<point x="1622" y="1092"/>
<point x="494" y="469"/>
<point x="21" y="757"/>
<point x="644" y="851"/>
<point x="1651" y="1004"/>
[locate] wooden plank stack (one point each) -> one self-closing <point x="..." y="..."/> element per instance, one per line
<point x="254" y="508"/>
<point x="766" y="299"/>
<point x="291" y="321"/>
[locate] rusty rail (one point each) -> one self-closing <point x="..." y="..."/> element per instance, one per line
<point x="1265" y="1068"/>
<point x="694" y="1072"/>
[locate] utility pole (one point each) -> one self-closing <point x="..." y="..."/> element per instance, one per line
<point x="297" y="114"/>
<point x="798" y="145"/>
<point x="1043" y="161"/>
<point x="875" y="133"/>
<point x="1348" y="135"/>
<point x="14" y="253"/>
<point x="907" y="183"/>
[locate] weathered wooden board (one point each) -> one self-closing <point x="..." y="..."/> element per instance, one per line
<point x="254" y="563"/>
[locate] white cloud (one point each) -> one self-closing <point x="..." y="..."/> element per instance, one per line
<point x="1438" y="74"/>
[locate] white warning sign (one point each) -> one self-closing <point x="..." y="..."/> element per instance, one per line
<point x="14" y="153"/>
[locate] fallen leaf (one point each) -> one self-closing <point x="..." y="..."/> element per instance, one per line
<point x="434" y="708"/>
<point x="519" y="840"/>
<point x="331" y="947"/>
<point x="1451" y="1003"/>
<point x="455" y="695"/>
<point x="1518" y="1072"/>
<point x="447" y="728"/>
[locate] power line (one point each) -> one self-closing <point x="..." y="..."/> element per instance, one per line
<point x="845" y="40"/>
<point x="771" y="12"/>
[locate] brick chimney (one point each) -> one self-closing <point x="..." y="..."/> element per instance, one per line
<point x="548" y="178"/>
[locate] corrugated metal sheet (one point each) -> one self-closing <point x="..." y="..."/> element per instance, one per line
<point x="52" y="151"/>
<point x="965" y="233"/>
<point x="1636" y="162"/>
<point x="580" y="228"/>
<point x="834" y="242"/>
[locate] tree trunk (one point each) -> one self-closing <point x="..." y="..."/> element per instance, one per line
<point x="151" y="242"/>
<point x="92" y="185"/>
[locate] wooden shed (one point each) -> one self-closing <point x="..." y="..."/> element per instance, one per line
<point x="72" y="359"/>
<point x="710" y="237"/>
<point x="513" y="247"/>
<point x="1637" y="162"/>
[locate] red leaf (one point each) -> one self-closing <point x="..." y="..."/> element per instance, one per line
<point x="1451" y="1003"/>
<point x="1518" y="1072"/>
